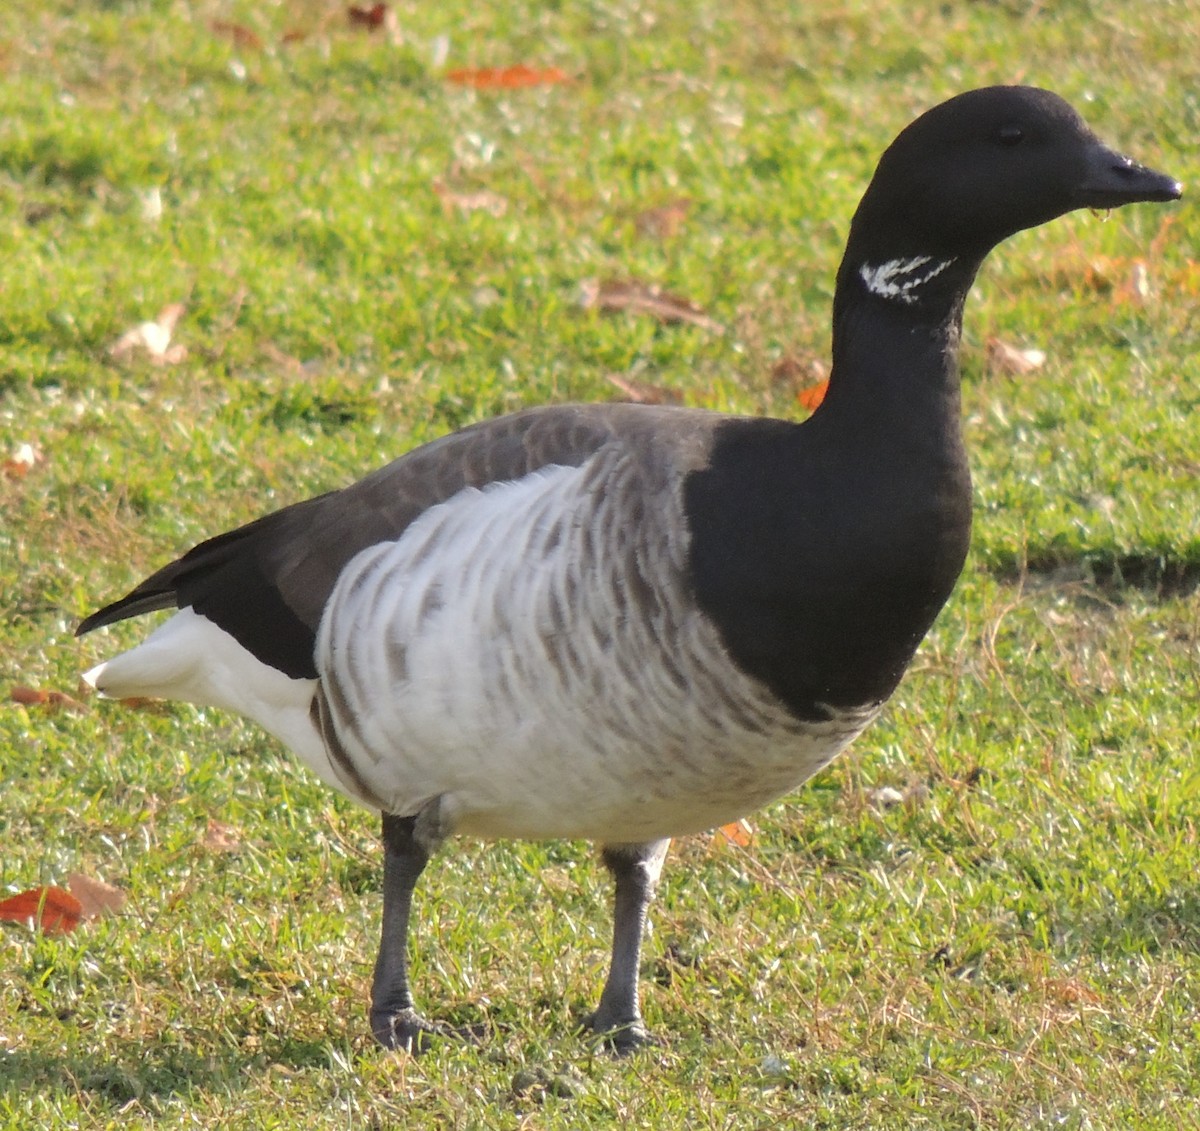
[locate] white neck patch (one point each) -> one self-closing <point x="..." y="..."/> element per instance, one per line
<point x="900" y="279"/>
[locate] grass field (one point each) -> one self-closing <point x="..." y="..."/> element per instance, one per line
<point x="368" y="255"/>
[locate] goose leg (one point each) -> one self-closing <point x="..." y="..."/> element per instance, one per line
<point x="394" y="1018"/>
<point x="635" y="869"/>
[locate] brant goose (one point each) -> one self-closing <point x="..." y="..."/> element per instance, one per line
<point x="623" y="622"/>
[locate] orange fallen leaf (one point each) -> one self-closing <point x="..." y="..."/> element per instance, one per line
<point x="506" y="78"/>
<point x="739" y="833"/>
<point x="1012" y="360"/>
<point x="616" y="295"/>
<point x="813" y="396"/>
<point x="642" y="392"/>
<point x="50" y="909"/>
<point x="240" y="34"/>
<point x="95" y="897"/>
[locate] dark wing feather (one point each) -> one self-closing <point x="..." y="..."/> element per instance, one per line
<point x="267" y="583"/>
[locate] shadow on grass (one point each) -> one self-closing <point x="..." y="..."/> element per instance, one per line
<point x="1151" y="574"/>
<point x="1167" y="923"/>
<point x="144" y="1072"/>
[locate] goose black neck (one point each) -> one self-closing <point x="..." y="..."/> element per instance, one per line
<point x="898" y="303"/>
<point x="823" y="551"/>
<point x="897" y="322"/>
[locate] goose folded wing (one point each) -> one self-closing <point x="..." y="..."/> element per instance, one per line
<point x="266" y="583"/>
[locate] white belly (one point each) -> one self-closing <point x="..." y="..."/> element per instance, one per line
<point x="538" y="670"/>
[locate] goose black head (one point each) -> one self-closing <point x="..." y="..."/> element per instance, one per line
<point x="971" y="172"/>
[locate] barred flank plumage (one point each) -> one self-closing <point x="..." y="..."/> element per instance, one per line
<point x="527" y="686"/>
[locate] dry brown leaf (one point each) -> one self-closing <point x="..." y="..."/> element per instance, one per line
<point x="272" y="353"/>
<point x="663" y="222"/>
<point x="40" y="697"/>
<point x="1071" y="992"/>
<point x="239" y="33"/>
<point x="67" y="702"/>
<point x="95" y="897"/>
<point x="379" y="19"/>
<point x="480" y="200"/>
<point x="23" y="460"/>
<point x="798" y="372"/>
<point x="1012" y="360"/>
<point x="153" y="337"/>
<point x="29" y="696"/>
<point x="220" y="837"/>
<point x="642" y="392"/>
<point x="635" y="297"/>
<point x="371" y="18"/>
<point x="1101" y="273"/>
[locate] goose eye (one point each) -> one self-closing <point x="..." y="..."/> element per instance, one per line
<point x="1010" y="135"/>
